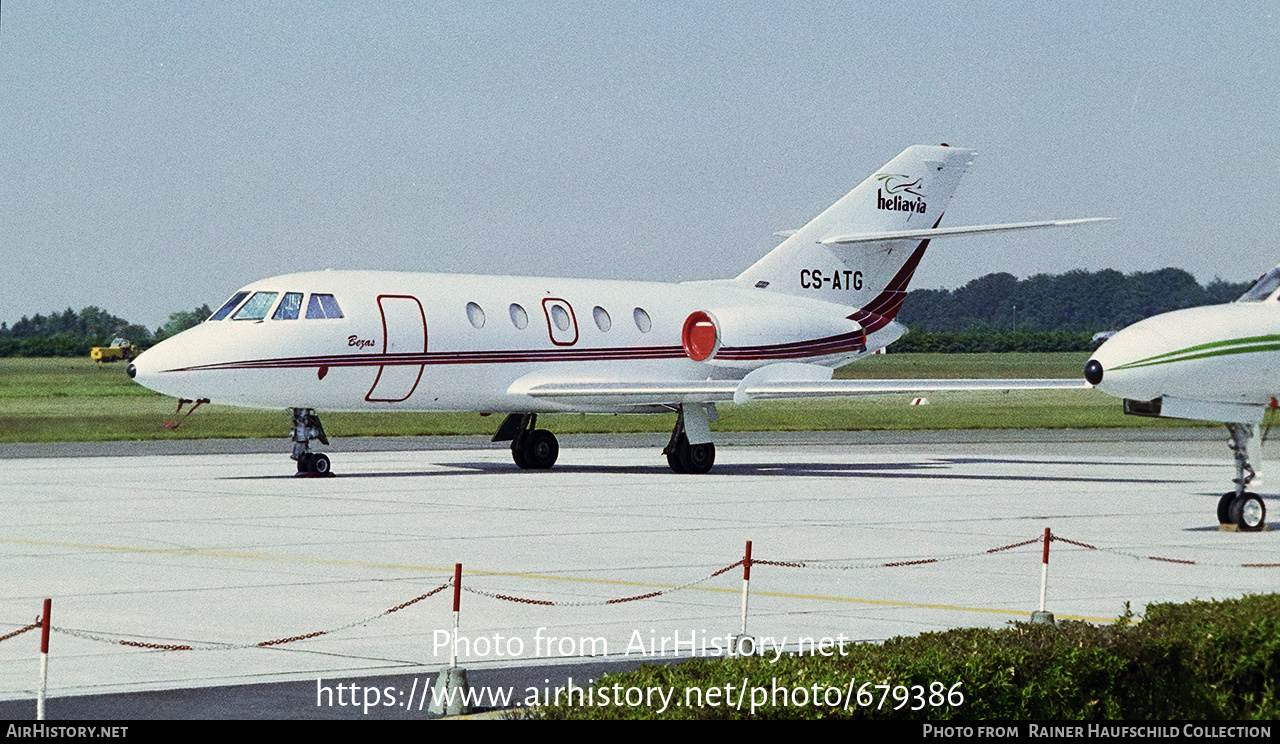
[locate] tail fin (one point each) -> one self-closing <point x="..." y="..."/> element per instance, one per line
<point x="868" y="270"/>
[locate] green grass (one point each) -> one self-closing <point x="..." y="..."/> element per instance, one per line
<point x="51" y="400"/>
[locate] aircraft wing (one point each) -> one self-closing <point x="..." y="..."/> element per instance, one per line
<point x="708" y="391"/>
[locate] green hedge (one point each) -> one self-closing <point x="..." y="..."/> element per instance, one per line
<point x="1004" y="341"/>
<point x="1200" y="660"/>
<point x="52" y="345"/>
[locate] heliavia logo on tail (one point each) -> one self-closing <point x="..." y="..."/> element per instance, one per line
<point x="893" y="196"/>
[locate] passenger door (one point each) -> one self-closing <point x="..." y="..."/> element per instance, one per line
<point x="404" y="341"/>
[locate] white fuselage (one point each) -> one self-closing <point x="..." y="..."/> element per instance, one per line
<point x="416" y="342"/>
<point x="1222" y="353"/>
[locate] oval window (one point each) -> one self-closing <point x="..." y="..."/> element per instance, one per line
<point x="475" y="314"/>
<point x="602" y="318"/>
<point x="519" y="318"/>
<point x="642" y="320"/>
<point x="560" y="317"/>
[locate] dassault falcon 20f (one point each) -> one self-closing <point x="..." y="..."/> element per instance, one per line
<point x="390" y="341"/>
<point x="1215" y="363"/>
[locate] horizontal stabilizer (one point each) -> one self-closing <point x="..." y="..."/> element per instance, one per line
<point x="942" y="232"/>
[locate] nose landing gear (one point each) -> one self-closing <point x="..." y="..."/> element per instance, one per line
<point x="306" y="426"/>
<point x="1243" y="509"/>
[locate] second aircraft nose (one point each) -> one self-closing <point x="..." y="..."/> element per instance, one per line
<point x="1093" y="372"/>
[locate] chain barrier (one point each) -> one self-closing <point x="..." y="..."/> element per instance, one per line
<point x="816" y="564"/>
<point x="602" y="603"/>
<point x="1163" y="559"/>
<point x="233" y="646"/>
<point x="19" y="631"/>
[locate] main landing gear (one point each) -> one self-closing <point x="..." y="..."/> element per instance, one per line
<point x="684" y="457"/>
<point x="531" y="448"/>
<point x="306" y="426"/>
<point x="690" y="449"/>
<point x="1242" y="508"/>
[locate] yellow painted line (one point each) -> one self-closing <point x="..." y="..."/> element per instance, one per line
<point x="251" y="555"/>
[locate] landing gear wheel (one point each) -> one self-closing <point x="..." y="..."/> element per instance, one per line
<point x="691" y="458"/>
<point x="319" y="464"/>
<point x="304" y="463"/>
<point x="537" y="450"/>
<point x="541" y="450"/>
<point x="517" y="454"/>
<point x="698" y="458"/>
<point x="1224" y="507"/>
<point x="1248" y="512"/>
<point x="673" y="460"/>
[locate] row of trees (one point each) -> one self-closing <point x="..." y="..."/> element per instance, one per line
<point x="71" y="333"/>
<point x="1077" y="301"/>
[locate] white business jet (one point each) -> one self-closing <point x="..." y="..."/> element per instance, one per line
<point x="393" y="341"/>
<point x="1215" y="363"/>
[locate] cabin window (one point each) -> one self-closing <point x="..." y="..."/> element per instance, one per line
<point x="257" y="306"/>
<point x="560" y="317"/>
<point x="290" y="307"/>
<point x="602" y="318"/>
<point x="519" y="318"/>
<point x="475" y="314"/>
<point x="323" y="306"/>
<point x="642" y="320"/>
<point x="230" y="305"/>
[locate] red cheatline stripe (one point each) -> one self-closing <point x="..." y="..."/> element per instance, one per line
<point x="854" y="341"/>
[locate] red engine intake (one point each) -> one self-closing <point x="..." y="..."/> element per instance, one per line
<point x="701" y="337"/>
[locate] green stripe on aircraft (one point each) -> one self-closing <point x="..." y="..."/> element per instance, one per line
<point x="1229" y="347"/>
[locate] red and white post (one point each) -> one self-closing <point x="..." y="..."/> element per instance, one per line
<point x="1044" y="568"/>
<point x="1040" y="616"/>
<point x="743" y="644"/>
<point x="448" y="698"/>
<point x="457" y="604"/>
<point x="44" y="659"/>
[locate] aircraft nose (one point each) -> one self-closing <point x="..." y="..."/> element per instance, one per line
<point x="141" y="370"/>
<point x="1093" y="372"/>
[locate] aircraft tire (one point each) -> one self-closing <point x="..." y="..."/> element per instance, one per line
<point x="1224" y="507"/>
<point x="673" y="461"/>
<point x="304" y="463"/>
<point x="518" y="454"/>
<point x="542" y="449"/>
<point x="1248" y="512"/>
<point x="319" y="464"/>
<point x="697" y="458"/>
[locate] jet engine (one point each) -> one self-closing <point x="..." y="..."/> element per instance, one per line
<point x="748" y="336"/>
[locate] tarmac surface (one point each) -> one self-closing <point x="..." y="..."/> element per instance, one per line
<point x="297" y="596"/>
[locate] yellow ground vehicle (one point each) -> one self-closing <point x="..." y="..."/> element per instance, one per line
<point x="120" y="349"/>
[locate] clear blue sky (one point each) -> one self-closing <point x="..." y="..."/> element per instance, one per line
<point x="157" y="155"/>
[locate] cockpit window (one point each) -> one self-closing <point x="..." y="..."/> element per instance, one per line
<point x="1263" y="288"/>
<point x="289" y="308"/>
<point x="323" y="306"/>
<point x="230" y="305"/>
<point x="257" y="306"/>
